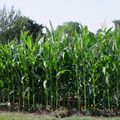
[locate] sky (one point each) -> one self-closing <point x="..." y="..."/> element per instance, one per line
<point x="94" y="13"/>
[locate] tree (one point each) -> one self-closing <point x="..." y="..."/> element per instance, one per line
<point x="12" y="23"/>
<point x="34" y="29"/>
<point x="69" y="28"/>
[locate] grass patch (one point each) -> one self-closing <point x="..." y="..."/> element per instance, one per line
<point x="26" y="116"/>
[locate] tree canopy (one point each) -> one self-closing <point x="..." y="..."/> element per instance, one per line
<point x="69" y="28"/>
<point x="12" y="23"/>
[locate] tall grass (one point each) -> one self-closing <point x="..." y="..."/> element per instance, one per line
<point x="74" y="72"/>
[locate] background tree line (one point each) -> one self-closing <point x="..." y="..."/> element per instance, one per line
<point x="13" y="22"/>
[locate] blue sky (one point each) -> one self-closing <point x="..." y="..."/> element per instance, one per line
<point x="94" y="13"/>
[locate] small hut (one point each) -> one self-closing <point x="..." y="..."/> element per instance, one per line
<point x="117" y="24"/>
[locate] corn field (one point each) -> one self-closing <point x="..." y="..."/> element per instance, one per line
<point x="76" y="72"/>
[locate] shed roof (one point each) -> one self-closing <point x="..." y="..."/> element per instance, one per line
<point x="116" y="21"/>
